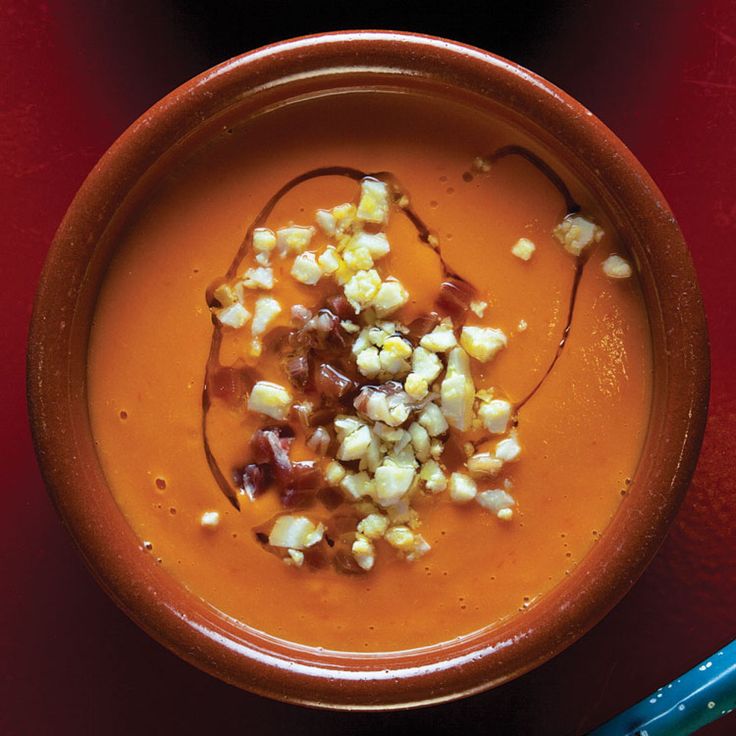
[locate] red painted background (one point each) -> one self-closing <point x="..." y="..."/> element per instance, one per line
<point x="662" y="75"/>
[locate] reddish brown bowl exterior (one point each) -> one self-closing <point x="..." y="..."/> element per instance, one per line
<point x="247" y="658"/>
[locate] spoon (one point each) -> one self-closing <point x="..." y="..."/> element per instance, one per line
<point x="703" y="694"/>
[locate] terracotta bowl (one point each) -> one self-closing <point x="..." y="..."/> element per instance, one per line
<point x="188" y="625"/>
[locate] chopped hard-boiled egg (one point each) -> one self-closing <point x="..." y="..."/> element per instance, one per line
<point x="392" y="482"/>
<point x="433" y="420"/>
<point x="497" y="501"/>
<point x="508" y="449"/>
<point x="345" y="425"/>
<point x="523" y="248"/>
<point x="482" y="343"/>
<point x="357" y="257"/>
<point x="390" y="297"/>
<point x="441" y="339"/>
<point x="478" y="307"/>
<point x="392" y="411"/>
<point x="362" y="288"/>
<point x="576" y="233"/>
<point x="420" y="441"/>
<point x="358" y="485"/>
<point x="483" y="464"/>
<point x="225" y="294"/>
<point x="462" y="488"/>
<point x="235" y="315"/>
<point x="344" y="215"/>
<point x="421" y="547"/>
<point x="394" y="355"/>
<point x="264" y="241"/>
<point x="458" y="390"/>
<point x="495" y="415"/>
<point x="373" y="526"/>
<point x="334" y="473"/>
<point x="374" y="204"/>
<point x="326" y="221"/>
<point x="210" y="520"/>
<point x="293" y="240"/>
<point x="616" y="267"/>
<point x="400" y="537"/>
<point x="258" y="278"/>
<point x="416" y="386"/>
<point x="305" y="269"/>
<point x="296" y="557"/>
<point x="364" y="552"/>
<point x="267" y="309"/>
<point x="295" y="532"/>
<point x="369" y="362"/>
<point x="425" y="364"/>
<point x="355" y="445"/>
<point x="375" y="243"/>
<point x="270" y="399"/>
<point x="329" y="261"/>
<point x="433" y="476"/>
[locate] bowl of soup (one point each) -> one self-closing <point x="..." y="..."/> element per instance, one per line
<point x="368" y="370"/>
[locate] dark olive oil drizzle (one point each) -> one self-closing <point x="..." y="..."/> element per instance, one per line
<point x="424" y="234"/>
<point x="571" y="207"/>
<point x="579" y="266"/>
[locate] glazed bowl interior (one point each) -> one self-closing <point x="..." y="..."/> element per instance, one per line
<point x="86" y="241"/>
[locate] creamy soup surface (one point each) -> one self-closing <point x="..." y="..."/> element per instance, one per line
<point x="403" y="442"/>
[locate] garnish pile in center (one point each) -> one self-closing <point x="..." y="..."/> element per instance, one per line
<point x="389" y="411"/>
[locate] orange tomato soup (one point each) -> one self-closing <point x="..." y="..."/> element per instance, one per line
<point x="581" y="432"/>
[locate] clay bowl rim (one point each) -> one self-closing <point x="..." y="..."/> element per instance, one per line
<point x="270" y="667"/>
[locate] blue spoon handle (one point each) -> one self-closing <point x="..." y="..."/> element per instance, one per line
<point x="705" y="693"/>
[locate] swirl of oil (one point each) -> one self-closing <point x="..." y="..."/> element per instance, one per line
<point x="425" y="235"/>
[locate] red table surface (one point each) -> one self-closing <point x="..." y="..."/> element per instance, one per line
<point x="661" y="75"/>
